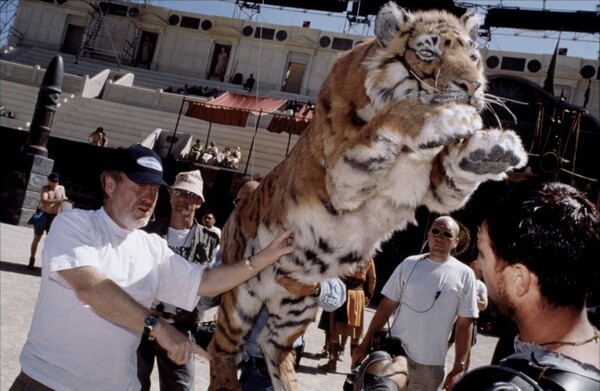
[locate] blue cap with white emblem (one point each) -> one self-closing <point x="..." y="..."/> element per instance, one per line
<point x="142" y="165"/>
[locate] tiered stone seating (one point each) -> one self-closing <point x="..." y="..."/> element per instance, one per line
<point x="90" y="66"/>
<point x="126" y="124"/>
<point x="146" y="78"/>
<point x="21" y="100"/>
<point x="42" y="57"/>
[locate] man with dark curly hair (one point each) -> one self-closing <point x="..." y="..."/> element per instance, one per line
<point x="539" y="251"/>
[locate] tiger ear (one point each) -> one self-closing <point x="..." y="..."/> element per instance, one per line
<point x="472" y="22"/>
<point x="388" y="22"/>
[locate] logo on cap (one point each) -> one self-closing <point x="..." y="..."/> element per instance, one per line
<point x="150" y="162"/>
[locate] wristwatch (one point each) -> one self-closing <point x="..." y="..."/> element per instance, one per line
<point x="459" y="364"/>
<point x="150" y="324"/>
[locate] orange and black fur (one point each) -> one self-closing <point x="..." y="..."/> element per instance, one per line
<point x="396" y="126"/>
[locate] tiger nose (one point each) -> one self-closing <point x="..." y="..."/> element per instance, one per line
<point x="469" y="85"/>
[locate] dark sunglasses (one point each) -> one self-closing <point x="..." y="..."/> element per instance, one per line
<point x="184" y="193"/>
<point x="437" y="232"/>
<point x="237" y="201"/>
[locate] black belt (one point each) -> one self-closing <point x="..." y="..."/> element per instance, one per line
<point x="353" y="283"/>
<point x="167" y="315"/>
<point x="180" y="318"/>
<point x="257" y="362"/>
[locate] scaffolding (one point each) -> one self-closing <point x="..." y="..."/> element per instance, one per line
<point x="97" y="21"/>
<point x="8" y="9"/>
<point x="355" y="22"/>
<point x="247" y="10"/>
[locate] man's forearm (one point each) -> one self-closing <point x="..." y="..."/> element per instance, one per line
<point x="106" y="298"/>
<point x="53" y="201"/>
<point x="481" y="304"/>
<point x="381" y="316"/>
<point x="47" y="202"/>
<point x="225" y="277"/>
<point x="464" y="335"/>
<point x="371" y="280"/>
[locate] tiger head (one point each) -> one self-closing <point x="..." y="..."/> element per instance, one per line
<point x="428" y="56"/>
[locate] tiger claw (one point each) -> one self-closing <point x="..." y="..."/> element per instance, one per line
<point x="448" y="125"/>
<point x="497" y="161"/>
<point x="492" y="152"/>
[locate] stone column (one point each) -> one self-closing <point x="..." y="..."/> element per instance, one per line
<point x="21" y="193"/>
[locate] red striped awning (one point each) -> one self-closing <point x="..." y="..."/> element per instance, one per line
<point x="291" y="124"/>
<point x="233" y="109"/>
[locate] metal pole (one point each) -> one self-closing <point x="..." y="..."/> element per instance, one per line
<point x="252" y="144"/>
<point x="208" y="135"/>
<point x="176" y="126"/>
<point x="287" y="149"/>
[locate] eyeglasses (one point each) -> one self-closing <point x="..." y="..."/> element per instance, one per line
<point x="184" y="193"/>
<point x="237" y="201"/>
<point x="437" y="232"/>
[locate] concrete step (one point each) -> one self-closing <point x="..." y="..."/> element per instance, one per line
<point x="152" y="79"/>
<point x="77" y="117"/>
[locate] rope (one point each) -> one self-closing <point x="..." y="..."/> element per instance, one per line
<point x="256" y="89"/>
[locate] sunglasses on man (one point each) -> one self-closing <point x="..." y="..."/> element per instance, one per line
<point x="184" y="193"/>
<point x="438" y="232"/>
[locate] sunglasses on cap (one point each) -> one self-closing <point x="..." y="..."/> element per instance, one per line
<point x="437" y="232"/>
<point x="184" y="193"/>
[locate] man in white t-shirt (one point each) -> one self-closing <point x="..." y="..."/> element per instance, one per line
<point x="100" y="275"/>
<point x="428" y="293"/>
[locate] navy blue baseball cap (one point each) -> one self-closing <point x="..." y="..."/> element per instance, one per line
<point x="54" y="177"/>
<point x="142" y="165"/>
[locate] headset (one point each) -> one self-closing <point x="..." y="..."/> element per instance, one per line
<point x="405" y="284"/>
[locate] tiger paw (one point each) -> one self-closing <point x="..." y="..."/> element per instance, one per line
<point x="448" y="124"/>
<point x="491" y="153"/>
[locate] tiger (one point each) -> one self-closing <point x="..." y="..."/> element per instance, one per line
<point x="396" y="126"/>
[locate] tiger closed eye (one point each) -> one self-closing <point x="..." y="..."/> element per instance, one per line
<point x="426" y="53"/>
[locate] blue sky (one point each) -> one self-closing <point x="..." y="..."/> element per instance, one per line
<point x="586" y="46"/>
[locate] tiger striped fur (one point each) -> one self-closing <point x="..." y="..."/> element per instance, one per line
<point x="396" y="126"/>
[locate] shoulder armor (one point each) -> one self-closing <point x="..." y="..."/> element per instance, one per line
<point x="523" y="375"/>
<point x="496" y="378"/>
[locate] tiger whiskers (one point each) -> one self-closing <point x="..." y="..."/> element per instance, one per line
<point x="507" y="100"/>
<point x="488" y="105"/>
<point x="491" y="100"/>
<point x="433" y="88"/>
